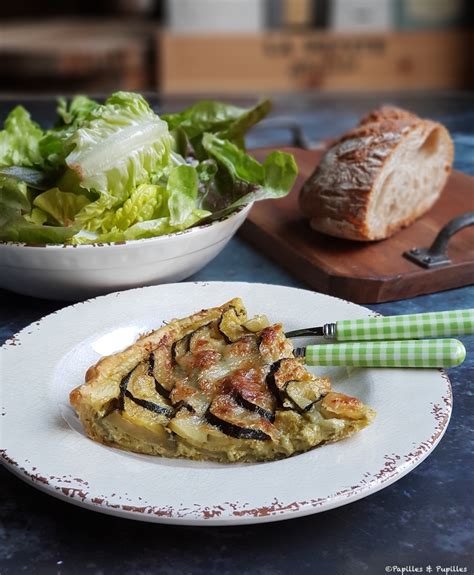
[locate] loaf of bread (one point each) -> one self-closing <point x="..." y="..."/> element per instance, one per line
<point x="379" y="177"/>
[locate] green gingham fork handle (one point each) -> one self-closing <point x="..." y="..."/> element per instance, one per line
<point x="411" y="326"/>
<point x="406" y="353"/>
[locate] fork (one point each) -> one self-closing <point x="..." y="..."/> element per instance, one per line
<point x="404" y="353"/>
<point x="362" y="343"/>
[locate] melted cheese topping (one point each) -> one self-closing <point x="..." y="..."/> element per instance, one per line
<point x="224" y="388"/>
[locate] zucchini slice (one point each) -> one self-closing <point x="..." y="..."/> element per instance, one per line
<point x="239" y="309"/>
<point x="205" y="337"/>
<point x="257" y="323"/>
<point x="293" y="386"/>
<point x="234" y="326"/>
<point x="192" y="399"/>
<point x="198" y="433"/>
<point x="162" y="367"/>
<point x="249" y="389"/>
<point x="305" y="393"/>
<point x="271" y="382"/>
<point x="150" y="416"/>
<point x="270" y="415"/>
<point x="236" y="431"/>
<point x="159" y="388"/>
<point x="150" y="432"/>
<point x="273" y="345"/>
<point x="236" y="421"/>
<point x="230" y="326"/>
<point x="180" y="347"/>
<point x="139" y="387"/>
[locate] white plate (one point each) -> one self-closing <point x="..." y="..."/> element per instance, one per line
<point x="43" y="443"/>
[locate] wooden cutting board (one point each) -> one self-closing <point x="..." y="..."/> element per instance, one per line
<point x="363" y="272"/>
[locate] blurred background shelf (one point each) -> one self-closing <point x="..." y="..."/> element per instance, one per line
<point x="235" y="47"/>
<point x="68" y="55"/>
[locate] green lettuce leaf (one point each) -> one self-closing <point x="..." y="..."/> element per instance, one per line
<point x="14" y="194"/>
<point x="61" y="206"/>
<point x="148" y="229"/>
<point x="13" y="200"/>
<point x="121" y="146"/>
<point x="56" y="145"/>
<point x="229" y="122"/>
<point x="18" y="229"/>
<point x="182" y="191"/>
<point x="143" y="204"/>
<point x="163" y="226"/>
<point x="152" y="210"/>
<point x="116" y="151"/>
<point x="76" y="111"/>
<point x="19" y="140"/>
<point x="37" y="216"/>
<point x="35" y="179"/>
<point x="236" y="131"/>
<point x="117" y="171"/>
<point x="20" y="223"/>
<point x="69" y="181"/>
<point x="207" y="170"/>
<point x="204" y="116"/>
<point x="238" y="163"/>
<point x="249" y="180"/>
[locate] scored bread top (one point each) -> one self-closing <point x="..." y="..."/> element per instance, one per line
<point x="342" y="194"/>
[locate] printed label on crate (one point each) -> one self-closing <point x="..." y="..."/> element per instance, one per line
<point x="311" y="58"/>
<point x="278" y="61"/>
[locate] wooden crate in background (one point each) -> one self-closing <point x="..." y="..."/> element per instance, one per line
<point x="287" y="61"/>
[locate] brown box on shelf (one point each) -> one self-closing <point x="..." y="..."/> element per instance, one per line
<point x="287" y="61"/>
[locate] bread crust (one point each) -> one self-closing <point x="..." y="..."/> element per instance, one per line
<point x="337" y="196"/>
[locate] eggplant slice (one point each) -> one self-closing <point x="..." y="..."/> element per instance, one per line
<point x="140" y="387"/>
<point x="215" y="385"/>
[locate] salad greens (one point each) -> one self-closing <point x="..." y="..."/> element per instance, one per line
<point x="19" y="140"/>
<point x="117" y="171"/>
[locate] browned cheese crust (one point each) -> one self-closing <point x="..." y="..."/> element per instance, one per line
<point x="215" y="385"/>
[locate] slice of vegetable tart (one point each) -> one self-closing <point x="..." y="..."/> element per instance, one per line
<point x="215" y="385"/>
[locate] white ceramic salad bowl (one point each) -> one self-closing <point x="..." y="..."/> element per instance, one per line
<point x="69" y="272"/>
<point x="115" y="172"/>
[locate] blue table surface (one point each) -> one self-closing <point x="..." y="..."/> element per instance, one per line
<point x="423" y="519"/>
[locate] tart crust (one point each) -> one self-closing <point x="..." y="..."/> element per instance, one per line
<point x="214" y="386"/>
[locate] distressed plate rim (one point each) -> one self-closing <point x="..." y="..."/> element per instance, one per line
<point x="78" y="491"/>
